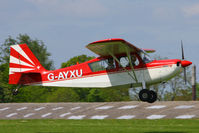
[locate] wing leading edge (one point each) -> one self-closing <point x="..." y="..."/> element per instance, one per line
<point x="115" y="46"/>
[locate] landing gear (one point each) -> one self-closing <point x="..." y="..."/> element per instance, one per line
<point x="15" y="92"/>
<point x="144" y="95"/>
<point x="153" y="97"/>
<point x="147" y="96"/>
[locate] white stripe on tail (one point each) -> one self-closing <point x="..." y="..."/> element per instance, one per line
<point x="19" y="62"/>
<point x="19" y="50"/>
<point x="23" y="63"/>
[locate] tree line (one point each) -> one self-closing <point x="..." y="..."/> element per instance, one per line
<point x="175" y="89"/>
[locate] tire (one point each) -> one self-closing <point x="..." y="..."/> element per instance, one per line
<point x="144" y="95"/>
<point x="153" y="97"/>
<point x="15" y="93"/>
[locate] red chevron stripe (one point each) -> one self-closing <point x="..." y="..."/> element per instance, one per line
<point x="13" y="65"/>
<point x="30" y="54"/>
<point x="15" y="54"/>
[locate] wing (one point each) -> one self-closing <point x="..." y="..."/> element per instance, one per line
<point x="115" y="46"/>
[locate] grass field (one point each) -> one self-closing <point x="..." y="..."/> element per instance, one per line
<point x="100" y="126"/>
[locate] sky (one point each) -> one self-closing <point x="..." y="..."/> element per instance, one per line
<point x="67" y="26"/>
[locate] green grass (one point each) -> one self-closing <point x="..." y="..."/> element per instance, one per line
<point x="100" y="126"/>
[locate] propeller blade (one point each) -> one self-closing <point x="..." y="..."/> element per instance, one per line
<point x="182" y="50"/>
<point x="184" y="63"/>
<point x="185" y="76"/>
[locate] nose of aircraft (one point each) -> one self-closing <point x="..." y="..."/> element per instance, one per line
<point x="185" y="63"/>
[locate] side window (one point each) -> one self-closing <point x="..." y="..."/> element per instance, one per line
<point x="124" y="61"/>
<point x="134" y="60"/>
<point x="145" y="57"/>
<point x="106" y="64"/>
<point x="111" y="64"/>
<point x="98" y="66"/>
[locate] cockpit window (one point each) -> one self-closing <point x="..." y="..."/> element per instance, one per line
<point x="145" y="57"/>
<point x="124" y="61"/>
<point x="105" y="64"/>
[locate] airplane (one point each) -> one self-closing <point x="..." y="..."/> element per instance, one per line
<point x="120" y="65"/>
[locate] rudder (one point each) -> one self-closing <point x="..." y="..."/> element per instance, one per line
<point x="22" y="61"/>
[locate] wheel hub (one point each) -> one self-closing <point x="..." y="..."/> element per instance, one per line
<point x="144" y="95"/>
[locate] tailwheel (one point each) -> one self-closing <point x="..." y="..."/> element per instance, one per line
<point x="15" y="92"/>
<point x="153" y="97"/>
<point x="147" y="96"/>
<point x="144" y="95"/>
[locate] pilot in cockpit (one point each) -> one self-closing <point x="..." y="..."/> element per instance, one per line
<point x="110" y="64"/>
<point x="133" y="59"/>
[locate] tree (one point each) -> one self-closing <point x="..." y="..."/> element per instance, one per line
<point x="29" y="93"/>
<point x="197" y="91"/>
<point x="33" y="94"/>
<point x="63" y="95"/>
<point x="36" y="46"/>
<point x="5" y="88"/>
<point x="114" y="94"/>
<point x="77" y="59"/>
<point x="94" y="96"/>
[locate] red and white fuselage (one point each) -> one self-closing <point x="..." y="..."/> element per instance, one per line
<point x="25" y="69"/>
<point x="82" y="76"/>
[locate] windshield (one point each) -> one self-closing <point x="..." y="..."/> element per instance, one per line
<point x="145" y="57"/>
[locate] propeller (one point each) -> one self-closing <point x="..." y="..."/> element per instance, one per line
<point x="184" y="63"/>
<point x="182" y="50"/>
<point x="185" y="74"/>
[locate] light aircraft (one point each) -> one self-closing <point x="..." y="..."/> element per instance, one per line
<point x="120" y="65"/>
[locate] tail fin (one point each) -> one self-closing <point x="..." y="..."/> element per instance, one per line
<point x="23" y="63"/>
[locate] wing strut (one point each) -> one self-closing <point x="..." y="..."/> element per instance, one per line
<point x="132" y="76"/>
<point x="130" y="61"/>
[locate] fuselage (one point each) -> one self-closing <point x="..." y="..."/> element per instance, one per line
<point x="82" y="75"/>
<point x="125" y="70"/>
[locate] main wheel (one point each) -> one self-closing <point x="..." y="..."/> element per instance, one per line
<point x="144" y="95"/>
<point x="153" y="97"/>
